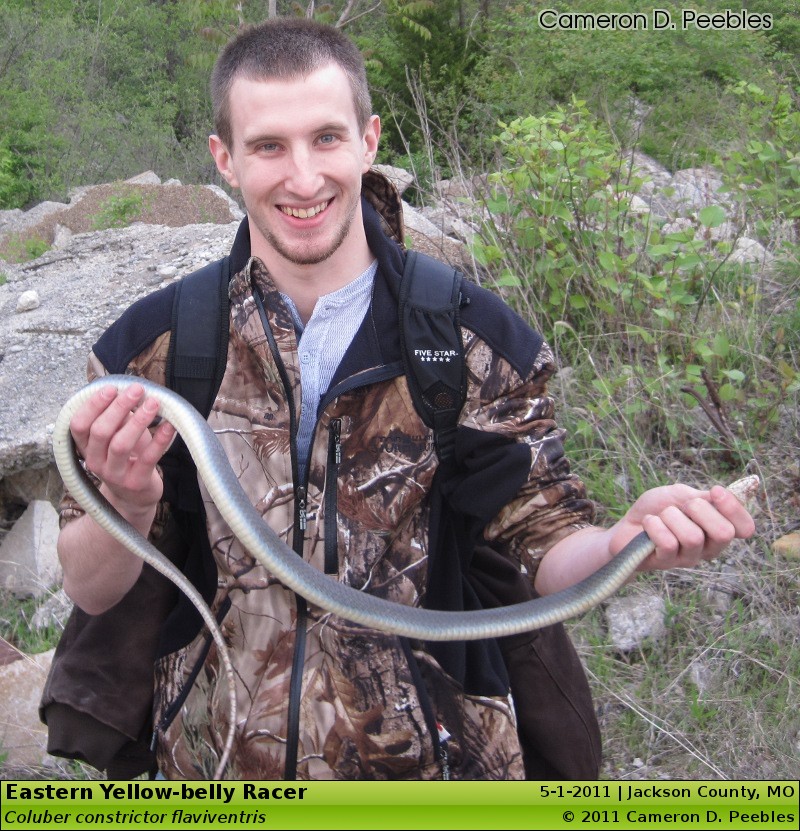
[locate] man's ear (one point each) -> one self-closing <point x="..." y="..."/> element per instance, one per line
<point x="371" y="137"/>
<point x="223" y="160"/>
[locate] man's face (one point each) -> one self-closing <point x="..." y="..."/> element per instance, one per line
<point x="297" y="156"/>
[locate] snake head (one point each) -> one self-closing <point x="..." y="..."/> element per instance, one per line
<point x="745" y="490"/>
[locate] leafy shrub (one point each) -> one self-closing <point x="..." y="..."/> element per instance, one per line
<point x="764" y="170"/>
<point x="678" y="77"/>
<point x="655" y="321"/>
<point x="15" y="189"/>
<point x="565" y="193"/>
<point x="119" y="210"/>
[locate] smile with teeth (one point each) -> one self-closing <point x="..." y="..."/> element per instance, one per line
<point x="304" y="213"/>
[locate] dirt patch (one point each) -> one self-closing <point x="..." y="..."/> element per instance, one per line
<point x="120" y="204"/>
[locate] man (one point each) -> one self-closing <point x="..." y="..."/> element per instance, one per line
<point x="315" y="417"/>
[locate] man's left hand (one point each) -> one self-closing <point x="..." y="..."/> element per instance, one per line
<point x="686" y="525"/>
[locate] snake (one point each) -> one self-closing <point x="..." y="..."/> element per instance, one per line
<point x="283" y="563"/>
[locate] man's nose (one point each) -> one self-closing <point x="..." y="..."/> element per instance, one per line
<point x="303" y="175"/>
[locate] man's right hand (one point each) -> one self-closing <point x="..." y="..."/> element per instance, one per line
<point x="112" y="434"/>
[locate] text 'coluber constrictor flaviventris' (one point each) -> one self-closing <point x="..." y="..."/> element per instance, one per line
<point x="284" y="564"/>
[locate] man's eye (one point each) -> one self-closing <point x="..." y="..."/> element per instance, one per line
<point x="328" y="138"/>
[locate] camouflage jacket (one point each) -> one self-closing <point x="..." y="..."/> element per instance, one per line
<point x="341" y="701"/>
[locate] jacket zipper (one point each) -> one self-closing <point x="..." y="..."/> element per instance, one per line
<point x="301" y="500"/>
<point x="300" y="523"/>
<point x="438" y="732"/>
<point x="331" y="507"/>
<point x="331" y="562"/>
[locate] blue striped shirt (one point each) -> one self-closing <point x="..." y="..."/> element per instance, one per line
<point x="321" y="347"/>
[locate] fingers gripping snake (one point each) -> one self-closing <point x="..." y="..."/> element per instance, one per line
<point x="283" y="563"/>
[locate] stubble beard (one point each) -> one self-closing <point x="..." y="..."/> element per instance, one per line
<point x="305" y="255"/>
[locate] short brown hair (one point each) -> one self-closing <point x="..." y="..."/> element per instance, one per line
<point x="285" y="48"/>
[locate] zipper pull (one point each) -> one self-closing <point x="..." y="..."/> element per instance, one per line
<point x="301" y="507"/>
<point x="336" y="435"/>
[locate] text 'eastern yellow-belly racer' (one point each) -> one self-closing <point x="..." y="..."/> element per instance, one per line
<point x="284" y="564"/>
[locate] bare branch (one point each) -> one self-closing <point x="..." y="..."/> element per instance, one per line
<point x="342" y="22"/>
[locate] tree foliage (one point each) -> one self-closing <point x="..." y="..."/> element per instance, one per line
<point x="92" y="90"/>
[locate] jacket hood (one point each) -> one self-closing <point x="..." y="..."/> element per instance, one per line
<point x="383" y="196"/>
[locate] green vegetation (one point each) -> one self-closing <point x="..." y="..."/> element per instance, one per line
<point x="15" y="625"/>
<point x="645" y="315"/>
<point x="763" y="168"/>
<point x="682" y="364"/>
<point x="19" y="248"/>
<point x="93" y="92"/>
<point x="679" y="362"/>
<point x="119" y="210"/>
<point x="713" y="697"/>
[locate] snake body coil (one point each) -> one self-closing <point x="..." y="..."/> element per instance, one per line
<point x="283" y="563"/>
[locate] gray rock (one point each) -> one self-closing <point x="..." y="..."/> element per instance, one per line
<point x="61" y="236"/>
<point x="701" y="675"/>
<point x="697" y="188"/>
<point x="28" y="301"/>
<point x="648" y="168"/>
<point x="415" y="221"/>
<point x="747" y="251"/>
<point x="94" y="277"/>
<point x="146" y="178"/>
<point x="16" y="222"/>
<point x="236" y="212"/>
<point x="53" y="612"/>
<point x="726" y="585"/>
<point x="29" y="485"/>
<point x="77" y="193"/>
<point x="668" y="196"/>
<point x="28" y="560"/>
<point x="10" y="217"/>
<point x="449" y="222"/>
<point x="677" y="225"/>
<point x="461" y="188"/>
<point x="400" y="178"/>
<point x="631" y="620"/>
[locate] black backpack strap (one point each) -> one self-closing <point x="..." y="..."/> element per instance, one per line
<point x="199" y="342"/>
<point x="196" y="361"/>
<point x="433" y="355"/>
<point x="195" y="367"/>
<point x="431" y="345"/>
